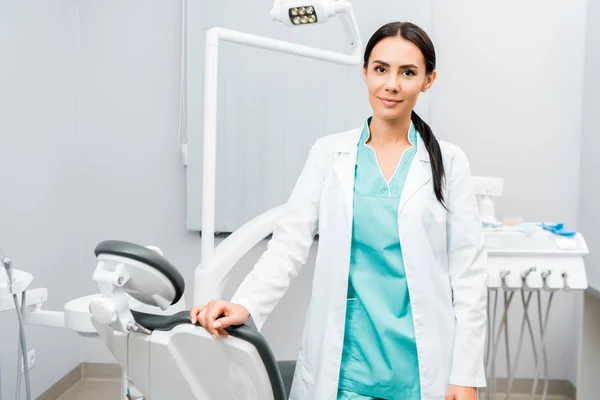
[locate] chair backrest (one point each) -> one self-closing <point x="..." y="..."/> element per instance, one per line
<point x="246" y="332"/>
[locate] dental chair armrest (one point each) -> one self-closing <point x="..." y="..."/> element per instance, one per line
<point x="246" y="332"/>
<point x="250" y="334"/>
<point x="155" y="322"/>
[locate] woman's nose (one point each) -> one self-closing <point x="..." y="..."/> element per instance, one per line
<point x="392" y="85"/>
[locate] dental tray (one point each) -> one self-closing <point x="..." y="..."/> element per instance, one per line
<point x="511" y="241"/>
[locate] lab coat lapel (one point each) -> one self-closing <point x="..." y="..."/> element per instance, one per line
<point x="419" y="173"/>
<point x="344" y="155"/>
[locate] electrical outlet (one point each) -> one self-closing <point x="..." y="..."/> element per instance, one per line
<point x="184" y="154"/>
<point x="30" y="360"/>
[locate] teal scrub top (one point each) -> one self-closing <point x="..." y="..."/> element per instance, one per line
<point x="379" y="356"/>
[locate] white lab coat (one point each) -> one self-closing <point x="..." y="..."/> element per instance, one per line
<point x="445" y="262"/>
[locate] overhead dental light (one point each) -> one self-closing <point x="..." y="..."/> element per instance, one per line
<point x="295" y="13"/>
<point x="307" y="12"/>
<point x="301" y="12"/>
<point x="303" y="15"/>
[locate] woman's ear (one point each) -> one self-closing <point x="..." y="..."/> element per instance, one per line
<point x="428" y="81"/>
<point x="364" y="74"/>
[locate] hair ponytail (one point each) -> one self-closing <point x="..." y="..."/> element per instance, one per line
<point x="435" y="155"/>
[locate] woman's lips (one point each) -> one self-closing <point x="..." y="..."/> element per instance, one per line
<point x="389" y="102"/>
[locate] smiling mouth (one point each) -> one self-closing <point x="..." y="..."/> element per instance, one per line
<point x="389" y="102"/>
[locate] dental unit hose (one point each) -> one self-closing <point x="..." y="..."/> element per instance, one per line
<point x="503" y="326"/>
<point x="532" y="282"/>
<point x="507" y="301"/>
<point x="20" y="309"/>
<point x="542" y="349"/>
<point x="525" y="322"/>
<point x="22" y="350"/>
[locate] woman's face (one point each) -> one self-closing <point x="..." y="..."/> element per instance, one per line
<point x="395" y="76"/>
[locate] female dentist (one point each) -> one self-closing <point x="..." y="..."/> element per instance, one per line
<point x="398" y="306"/>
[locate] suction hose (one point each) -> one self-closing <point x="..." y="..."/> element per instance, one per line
<point x="19" y="308"/>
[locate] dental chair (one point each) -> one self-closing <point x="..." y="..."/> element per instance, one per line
<point x="166" y="356"/>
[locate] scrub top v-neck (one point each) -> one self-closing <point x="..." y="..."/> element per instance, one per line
<point x="379" y="356"/>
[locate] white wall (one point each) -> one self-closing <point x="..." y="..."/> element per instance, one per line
<point x="589" y="212"/>
<point x="133" y="184"/>
<point x="39" y="175"/>
<point x="509" y="92"/>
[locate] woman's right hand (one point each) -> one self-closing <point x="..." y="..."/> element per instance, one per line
<point x="217" y="315"/>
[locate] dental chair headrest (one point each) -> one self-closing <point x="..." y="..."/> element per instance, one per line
<point x="145" y="256"/>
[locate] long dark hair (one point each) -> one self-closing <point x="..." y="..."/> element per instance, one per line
<point x="412" y="33"/>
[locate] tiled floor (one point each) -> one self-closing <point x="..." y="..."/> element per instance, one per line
<point x="108" y="389"/>
<point x="94" y="389"/>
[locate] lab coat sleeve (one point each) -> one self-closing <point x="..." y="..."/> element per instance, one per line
<point x="289" y="247"/>
<point x="467" y="259"/>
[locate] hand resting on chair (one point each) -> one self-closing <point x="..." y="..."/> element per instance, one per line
<point x="217" y="315"/>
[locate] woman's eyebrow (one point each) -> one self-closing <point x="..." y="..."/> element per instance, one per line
<point x="402" y="66"/>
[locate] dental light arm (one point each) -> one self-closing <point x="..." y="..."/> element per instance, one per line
<point x="350" y="25"/>
<point x="283" y="11"/>
<point x="214" y="35"/>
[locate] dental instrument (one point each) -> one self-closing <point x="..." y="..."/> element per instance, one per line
<point x="16" y="284"/>
<point x="530" y="258"/>
<point x="558" y="229"/>
<point x="532" y="262"/>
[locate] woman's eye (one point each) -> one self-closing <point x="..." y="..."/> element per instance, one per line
<point x="408" y="72"/>
<point x="380" y="69"/>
